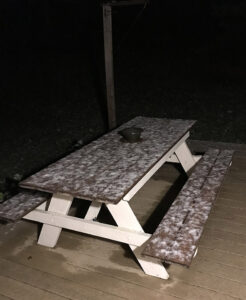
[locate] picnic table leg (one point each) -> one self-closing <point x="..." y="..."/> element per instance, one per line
<point x="125" y="217"/>
<point x="49" y="235"/>
<point x="42" y="206"/>
<point x="185" y="157"/>
<point x="93" y="210"/>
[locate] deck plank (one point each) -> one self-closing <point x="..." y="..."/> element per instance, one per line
<point x="210" y="281"/>
<point x="228" y="226"/>
<point x="229" y="216"/>
<point x="59" y="286"/>
<point x="22" y="291"/>
<point x="229" y="209"/>
<point x="224" y="245"/>
<point x="208" y="266"/>
<point x="223" y="257"/>
<point x="95" y="274"/>
<point x="231" y="200"/>
<point x="2" y="297"/>
<point x="219" y="233"/>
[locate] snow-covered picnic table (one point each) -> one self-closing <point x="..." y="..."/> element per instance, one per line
<point x="110" y="171"/>
<point x="108" y="168"/>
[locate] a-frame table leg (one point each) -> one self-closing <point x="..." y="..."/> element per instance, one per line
<point x="93" y="210"/>
<point x="185" y="157"/>
<point x="49" y="235"/>
<point x="125" y="217"/>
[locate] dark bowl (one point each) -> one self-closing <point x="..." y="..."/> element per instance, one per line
<point x="131" y="134"/>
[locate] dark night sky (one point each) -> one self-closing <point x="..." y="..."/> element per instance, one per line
<point x="210" y="33"/>
<point x="27" y="22"/>
<point x="178" y="59"/>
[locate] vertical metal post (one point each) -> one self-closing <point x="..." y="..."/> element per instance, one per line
<point x="109" y="69"/>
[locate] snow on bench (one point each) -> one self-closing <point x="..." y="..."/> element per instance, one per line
<point x="175" y="239"/>
<point x="18" y="206"/>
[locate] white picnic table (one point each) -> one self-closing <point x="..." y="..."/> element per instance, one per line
<point x="110" y="171"/>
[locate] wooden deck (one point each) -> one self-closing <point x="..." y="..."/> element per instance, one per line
<point x="84" y="267"/>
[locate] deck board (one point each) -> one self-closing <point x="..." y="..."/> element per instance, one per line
<point x="25" y="291"/>
<point x="59" y="286"/>
<point x="84" y="267"/>
<point x="2" y="297"/>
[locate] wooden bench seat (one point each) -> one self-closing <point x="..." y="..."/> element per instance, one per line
<point x="18" y="206"/>
<point x="176" y="238"/>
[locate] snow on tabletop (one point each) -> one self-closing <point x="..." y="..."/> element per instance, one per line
<point x="106" y="169"/>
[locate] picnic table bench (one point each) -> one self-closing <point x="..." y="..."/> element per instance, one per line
<point x="109" y="171"/>
<point x="176" y="237"/>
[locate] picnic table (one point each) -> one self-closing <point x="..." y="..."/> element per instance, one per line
<point x="110" y="171"/>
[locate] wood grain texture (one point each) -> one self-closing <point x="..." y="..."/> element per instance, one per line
<point x="176" y="238"/>
<point x="106" y="169"/>
<point x="21" y="204"/>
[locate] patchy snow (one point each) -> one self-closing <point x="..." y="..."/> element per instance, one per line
<point x="19" y="205"/>
<point x="106" y="169"/>
<point x="176" y="238"/>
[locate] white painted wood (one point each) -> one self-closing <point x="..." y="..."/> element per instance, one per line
<point x="152" y="171"/>
<point x="195" y="254"/>
<point x="124" y="235"/>
<point x="49" y="235"/>
<point x="150" y="266"/>
<point x="42" y="206"/>
<point x="197" y="157"/>
<point x="125" y="217"/>
<point x="173" y="159"/>
<point x="185" y="157"/>
<point x="93" y="210"/>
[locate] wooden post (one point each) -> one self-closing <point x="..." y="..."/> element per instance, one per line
<point x="109" y="68"/>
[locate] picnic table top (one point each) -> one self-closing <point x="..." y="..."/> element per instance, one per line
<point x="107" y="168"/>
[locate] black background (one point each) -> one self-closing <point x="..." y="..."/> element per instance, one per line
<point x="175" y="59"/>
